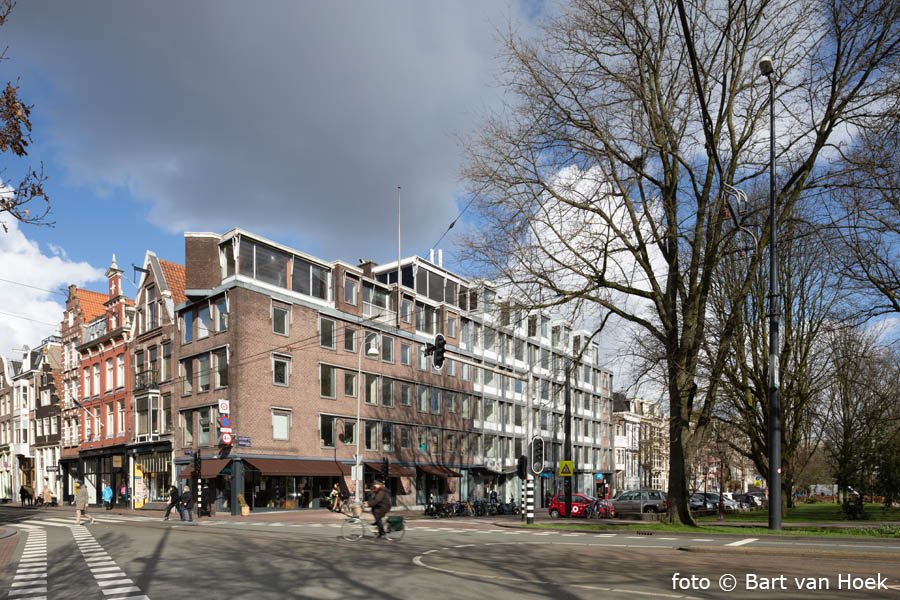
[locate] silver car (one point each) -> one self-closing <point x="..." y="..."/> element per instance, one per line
<point x="636" y="501"/>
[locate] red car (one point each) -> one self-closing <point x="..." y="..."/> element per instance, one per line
<point x="580" y="505"/>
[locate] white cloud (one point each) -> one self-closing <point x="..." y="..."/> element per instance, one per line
<point x="32" y="289"/>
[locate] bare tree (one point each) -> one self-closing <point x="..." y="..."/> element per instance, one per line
<point x="862" y="408"/>
<point x="603" y="184"/>
<point x="17" y="199"/>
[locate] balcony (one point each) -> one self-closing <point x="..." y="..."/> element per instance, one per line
<point x="146" y="380"/>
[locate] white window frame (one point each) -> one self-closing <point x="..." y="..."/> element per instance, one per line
<point x="282" y="412"/>
<point x="287" y="370"/>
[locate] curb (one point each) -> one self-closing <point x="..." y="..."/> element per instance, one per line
<point x="876" y="555"/>
<point x="6" y="532"/>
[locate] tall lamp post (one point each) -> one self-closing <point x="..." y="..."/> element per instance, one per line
<point x="371" y="351"/>
<point x="774" y="483"/>
<point x="722" y="445"/>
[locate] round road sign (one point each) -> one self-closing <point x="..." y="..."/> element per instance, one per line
<point x="226" y="439"/>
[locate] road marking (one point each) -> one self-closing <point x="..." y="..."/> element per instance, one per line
<point x="605" y="535"/>
<point x="31" y="576"/>
<point x="742" y="542"/>
<point x="105" y="576"/>
<point x="701" y="540"/>
<point x="668" y="539"/>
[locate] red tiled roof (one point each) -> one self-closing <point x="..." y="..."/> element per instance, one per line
<point x="174" y="274"/>
<point x="91" y="304"/>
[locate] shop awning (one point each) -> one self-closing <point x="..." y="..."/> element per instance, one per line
<point x="439" y="470"/>
<point x="274" y="467"/>
<point x="209" y="468"/>
<point x="393" y="470"/>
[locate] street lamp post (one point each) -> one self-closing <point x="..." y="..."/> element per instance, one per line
<point x="774" y="483"/>
<point x="372" y="351"/>
<point x="722" y="445"/>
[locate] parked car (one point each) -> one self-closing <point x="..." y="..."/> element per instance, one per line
<point x="748" y="500"/>
<point x="580" y="502"/>
<point x="635" y="501"/>
<point x="710" y="501"/>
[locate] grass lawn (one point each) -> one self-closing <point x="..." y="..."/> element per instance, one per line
<point x="816" y="512"/>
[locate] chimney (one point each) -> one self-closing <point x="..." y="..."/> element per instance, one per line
<point x="431" y="256"/>
<point x="440" y="261"/>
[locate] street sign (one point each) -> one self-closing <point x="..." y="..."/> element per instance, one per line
<point x="51" y="468"/>
<point x="243" y="441"/>
<point x="566" y="468"/>
<point x="225" y="430"/>
<point x="598" y="476"/>
<point x="224" y="407"/>
<point x="224" y="422"/>
<point x="226" y="438"/>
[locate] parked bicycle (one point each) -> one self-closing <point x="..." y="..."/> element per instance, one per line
<point x="356" y="528"/>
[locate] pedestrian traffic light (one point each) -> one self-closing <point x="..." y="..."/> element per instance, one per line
<point x="537" y="455"/>
<point x="385" y="468"/>
<point x="522" y="465"/>
<point x="437" y="359"/>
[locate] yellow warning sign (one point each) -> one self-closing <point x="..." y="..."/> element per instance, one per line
<point x="566" y="468"/>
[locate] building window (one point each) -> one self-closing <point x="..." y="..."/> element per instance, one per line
<point x="422" y="403"/>
<point x="187" y="377"/>
<point x="349" y="437"/>
<point x="387" y="391"/>
<point x="451" y="402"/>
<point x="405" y="438"/>
<point x="406" y="309"/>
<point x="451" y="442"/>
<point x="387" y="437"/>
<point x="203" y="373"/>
<point x="280" y="320"/>
<point x="349" y="339"/>
<point x="451" y="326"/>
<point x="203" y="322"/>
<point x="371" y="388"/>
<point x="205" y="425"/>
<point x="371" y="435"/>
<point x="120" y="409"/>
<point x="281" y="367"/>
<point x="165" y="372"/>
<point x="86" y="386"/>
<point x="326" y="430"/>
<point x="281" y="424"/>
<point x="405" y="394"/>
<point x="327" y="383"/>
<point x="152" y="308"/>
<point x="351" y="287"/>
<point x="167" y="413"/>
<point x="187" y="429"/>
<point x="405" y="354"/>
<point x="350" y="384"/>
<point x="326" y="333"/>
<point x="435" y="401"/>
<point x="221" y="316"/>
<point x="109" y="375"/>
<point x="220" y="358"/>
<point x="110" y="420"/>
<point x="96" y="382"/>
<point x="387" y="348"/>
<point x="187" y="327"/>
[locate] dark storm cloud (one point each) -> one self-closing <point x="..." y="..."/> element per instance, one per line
<point x="296" y="119"/>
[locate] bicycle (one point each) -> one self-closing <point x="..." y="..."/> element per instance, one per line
<point x="356" y="528"/>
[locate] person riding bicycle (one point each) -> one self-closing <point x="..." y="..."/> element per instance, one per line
<point x="380" y="505"/>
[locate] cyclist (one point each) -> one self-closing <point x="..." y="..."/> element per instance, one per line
<point x="380" y="505"/>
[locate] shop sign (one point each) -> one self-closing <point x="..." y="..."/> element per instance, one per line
<point x="51" y="469"/>
<point x="117" y="461"/>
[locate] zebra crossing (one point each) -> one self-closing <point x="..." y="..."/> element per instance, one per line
<point x="31" y="581"/>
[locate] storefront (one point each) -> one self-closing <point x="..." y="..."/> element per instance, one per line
<point x="434" y="482"/>
<point x="279" y="484"/>
<point x="151" y="476"/>
<point x="398" y="481"/>
<point x="110" y="466"/>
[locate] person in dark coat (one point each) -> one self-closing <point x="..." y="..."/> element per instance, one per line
<point x="174" y="502"/>
<point x="380" y="505"/>
<point x="187" y="503"/>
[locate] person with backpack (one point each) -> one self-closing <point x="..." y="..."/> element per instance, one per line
<point x="174" y="502"/>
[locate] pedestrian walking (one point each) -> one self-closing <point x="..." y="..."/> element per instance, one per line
<point x="174" y="502"/>
<point x="123" y="493"/>
<point x="23" y="494"/>
<point x="187" y="503"/>
<point x="81" y="503"/>
<point x="106" y="494"/>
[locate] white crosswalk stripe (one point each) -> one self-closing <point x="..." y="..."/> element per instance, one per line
<point x="30" y="580"/>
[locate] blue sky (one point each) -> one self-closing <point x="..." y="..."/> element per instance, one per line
<point x="297" y="120"/>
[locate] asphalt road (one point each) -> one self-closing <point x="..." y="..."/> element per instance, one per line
<point x="141" y="557"/>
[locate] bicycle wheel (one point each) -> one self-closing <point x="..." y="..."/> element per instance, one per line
<point x="352" y="530"/>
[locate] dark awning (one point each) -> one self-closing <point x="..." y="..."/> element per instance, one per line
<point x="393" y="470"/>
<point x="209" y="468"/>
<point x="439" y="470"/>
<point x="277" y="466"/>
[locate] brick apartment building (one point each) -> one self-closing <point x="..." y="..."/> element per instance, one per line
<point x="104" y="359"/>
<point x="154" y="335"/>
<point x="82" y="307"/>
<point x="9" y="421"/>
<point x="291" y="345"/>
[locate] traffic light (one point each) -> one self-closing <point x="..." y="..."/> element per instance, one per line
<point x="537" y="455"/>
<point x="521" y="466"/>
<point x="385" y="468"/>
<point x="437" y="359"/>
